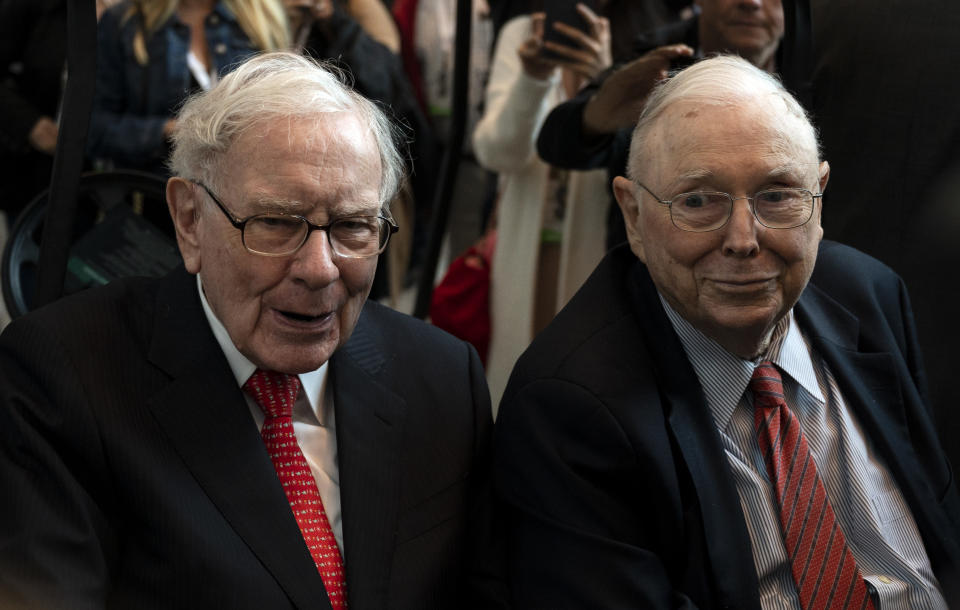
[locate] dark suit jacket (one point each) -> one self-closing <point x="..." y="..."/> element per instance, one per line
<point x="134" y="477"/>
<point x="610" y="466"/>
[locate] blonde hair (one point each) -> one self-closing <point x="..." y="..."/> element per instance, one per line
<point x="263" y="21"/>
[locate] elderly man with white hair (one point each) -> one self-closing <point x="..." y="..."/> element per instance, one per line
<point x="731" y="413"/>
<point x="249" y="431"/>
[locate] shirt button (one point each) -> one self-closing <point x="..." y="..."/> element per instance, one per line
<point x="220" y="49"/>
<point x="885" y="579"/>
<point x="214" y="19"/>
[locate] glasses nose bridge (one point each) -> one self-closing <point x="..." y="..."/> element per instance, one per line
<point x="751" y="205"/>
<point x="311" y="227"/>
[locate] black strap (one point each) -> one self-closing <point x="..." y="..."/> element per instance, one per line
<point x="451" y="158"/>
<point x="71" y="142"/>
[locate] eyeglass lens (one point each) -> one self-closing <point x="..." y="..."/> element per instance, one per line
<point x="350" y="237"/>
<point x="775" y="208"/>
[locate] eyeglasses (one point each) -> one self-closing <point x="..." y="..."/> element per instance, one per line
<point x="700" y="211"/>
<point x="276" y="234"/>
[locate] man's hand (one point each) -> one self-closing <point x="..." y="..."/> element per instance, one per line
<point x="43" y="136"/>
<point x="620" y="99"/>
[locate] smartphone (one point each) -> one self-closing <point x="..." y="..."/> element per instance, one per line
<point x="564" y="11"/>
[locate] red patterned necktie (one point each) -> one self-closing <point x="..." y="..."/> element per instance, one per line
<point x="276" y="393"/>
<point x="824" y="569"/>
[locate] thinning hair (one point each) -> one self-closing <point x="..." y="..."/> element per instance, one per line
<point x="722" y="80"/>
<point x="271" y="86"/>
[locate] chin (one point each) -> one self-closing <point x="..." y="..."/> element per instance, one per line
<point x="747" y="321"/>
<point x="294" y="360"/>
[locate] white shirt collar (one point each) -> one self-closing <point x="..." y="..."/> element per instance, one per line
<point x="313" y="383"/>
<point x="724" y="376"/>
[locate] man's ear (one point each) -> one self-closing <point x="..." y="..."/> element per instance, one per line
<point x="824" y="178"/>
<point x="184" y="205"/>
<point x="626" y="193"/>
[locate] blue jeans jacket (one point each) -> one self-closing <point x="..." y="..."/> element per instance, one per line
<point x="132" y="102"/>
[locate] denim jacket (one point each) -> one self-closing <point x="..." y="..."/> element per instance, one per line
<point x="133" y="102"/>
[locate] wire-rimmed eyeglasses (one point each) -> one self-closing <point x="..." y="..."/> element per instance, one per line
<point x="777" y="208"/>
<point x="276" y="234"/>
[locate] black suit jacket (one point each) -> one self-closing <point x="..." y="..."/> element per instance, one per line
<point x="610" y="466"/>
<point x="134" y="477"/>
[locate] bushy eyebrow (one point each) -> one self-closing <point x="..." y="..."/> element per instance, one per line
<point x="266" y="203"/>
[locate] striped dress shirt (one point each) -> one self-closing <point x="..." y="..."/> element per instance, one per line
<point x="875" y="518"/>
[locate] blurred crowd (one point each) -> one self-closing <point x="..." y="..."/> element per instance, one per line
<point x="551" y="105"/>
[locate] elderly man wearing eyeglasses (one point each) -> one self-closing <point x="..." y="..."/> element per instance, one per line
<point x="731" y="413"/>
<point x="250" y="431"/>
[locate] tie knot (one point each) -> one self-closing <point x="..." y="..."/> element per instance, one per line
<point x="274" y="392"/>
<point x="766" y="385"/>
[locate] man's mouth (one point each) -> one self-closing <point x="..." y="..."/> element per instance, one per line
<point x="301" y="317"/>
<point x="747" y="24"/>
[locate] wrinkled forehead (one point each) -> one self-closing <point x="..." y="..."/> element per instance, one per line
<point x="690" y="131"/>
<point x="323" y="130"/>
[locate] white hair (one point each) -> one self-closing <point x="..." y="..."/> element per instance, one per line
<point x="271" y="86"/>
<point x="722" y="80"/>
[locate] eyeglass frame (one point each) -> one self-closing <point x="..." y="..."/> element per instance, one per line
<point x="753" y="206"/>
<point x="240" y="225"/>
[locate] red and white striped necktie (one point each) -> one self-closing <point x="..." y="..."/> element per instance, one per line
<point x="824" y="569"/>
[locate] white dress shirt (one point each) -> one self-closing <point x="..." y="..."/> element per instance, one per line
<point x="313" y="420"/>
<point x="874" y="516"/>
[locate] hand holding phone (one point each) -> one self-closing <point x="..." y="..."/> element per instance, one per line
<point x="576" y="37"/>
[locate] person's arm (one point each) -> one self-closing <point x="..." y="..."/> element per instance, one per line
<point x="376" y="20"/>
<point x="582" y="527"/>
<point x="562" y="141"/>
<point x="55" y="536"/>
<point x="118" y="130"/>
<point x="24" y="126"/>
<point x="578" y="134"/>
<point x="516" y="102"/>
<point x="341" y="38"/>
<point x="620" y="99"/>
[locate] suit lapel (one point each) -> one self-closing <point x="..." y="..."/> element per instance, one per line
<point x="369" y="432"/>
<point x="870" y="383"/>
<point x="725" y="533"/>
<point x="204" y="415"/>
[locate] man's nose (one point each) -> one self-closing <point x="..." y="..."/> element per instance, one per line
<point x="315" y="263"/>
<point x="740" y="232"/>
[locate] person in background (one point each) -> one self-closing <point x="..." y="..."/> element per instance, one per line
<point x="593" y="129"/>
<point x="371" y="15"/>
<point x="32" y="53"/>
<point x="151" y="54"/>
<point x="732" y="412"/>
<point x="360" y="37"/>
<point x="545" y="245"/>
<point x="250" y="431"/>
